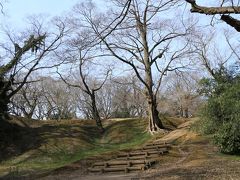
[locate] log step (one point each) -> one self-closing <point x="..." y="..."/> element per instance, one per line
<point x="146" y="149"/>
<point x="147" y="153"/>
<point x="153" y="156"/>
<point x="136" y="160"/>
<point x="149" y="146"/>
<point x="158" y="144"/>
<point x="123" y="162"/>
<point x="117" y="169"/>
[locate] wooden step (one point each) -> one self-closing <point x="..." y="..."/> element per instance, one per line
<point x="118" y="169"/>
<point x="158" y="144"/>
<point x="128" y="163"/>
<point x="136" y="160"/>
<point x="140" y="153"/>
<point x="153" y="156"/>
<point x="151" y="148"/>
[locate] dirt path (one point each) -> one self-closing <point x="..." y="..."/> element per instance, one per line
<point x="192" y="157"/>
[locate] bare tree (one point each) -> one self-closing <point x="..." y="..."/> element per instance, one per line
<point x="127" y="97"/>
<point x="137" y="100"/>
<point x="46" y="98"/>
<point x="81" y="52"/>
<point x="182" y="89"/>
<point x="144" y="41"/>
<point x="25" y="57"/>
<point x="121" y="97"/>
<point x="59" y="100"/>
<point x="25" y="101"/>
<point x="83" y="104"/>
<point x="90" y="89"/>
<point x="105" y="100"/>
<point x="224" y="8"/>
<point x="122" y="100"/>
<point x="211" y="56"/>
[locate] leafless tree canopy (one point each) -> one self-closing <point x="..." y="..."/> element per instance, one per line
<point x="24" y="56"/>
<point x="144" y="41"/>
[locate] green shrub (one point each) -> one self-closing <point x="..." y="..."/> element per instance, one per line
<point x="221" y="117"/>
<point x="228" y="138"/>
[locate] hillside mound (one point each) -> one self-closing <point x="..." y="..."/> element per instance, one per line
<point x="42" y="146"/>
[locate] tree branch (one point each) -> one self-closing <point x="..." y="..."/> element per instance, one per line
<point x="213" y="10"/>
<point x="231" y="21"/>
<point x="218" y="10"/>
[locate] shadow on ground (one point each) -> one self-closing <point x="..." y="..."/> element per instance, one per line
<point x="16" y="139"/>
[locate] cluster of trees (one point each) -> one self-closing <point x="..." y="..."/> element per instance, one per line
<point x="53" y="99"/>
<point x="89" y="48"/>
<point x="181" y="97"/>
<point x="50" y="98"/>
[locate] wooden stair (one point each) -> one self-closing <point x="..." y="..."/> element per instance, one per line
<point x="137" y="160"/>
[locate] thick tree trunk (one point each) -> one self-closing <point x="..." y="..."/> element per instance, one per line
<point x="4" y="100"/>
<point x="95" y="113"/>
<point x="3" y="109"/>
<point x="154" y="120"/>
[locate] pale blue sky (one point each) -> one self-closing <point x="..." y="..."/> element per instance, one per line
<point x="16" y="11"/>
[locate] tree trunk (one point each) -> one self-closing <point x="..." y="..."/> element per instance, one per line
<point x="3" y="108"/>
<point x="95" y="113"/>
<point x="4" y="100"/>
<point x="186" y="114"/>
<point x="181" y="111"/>
<point x="154" y="120"/>
<point x="28" y="115"/>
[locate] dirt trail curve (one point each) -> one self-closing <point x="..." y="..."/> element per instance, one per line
<point x="192" y="157"/>
<point x="197" y="159"/>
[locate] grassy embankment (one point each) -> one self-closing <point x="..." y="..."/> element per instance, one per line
<point x="64" y="142"/>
